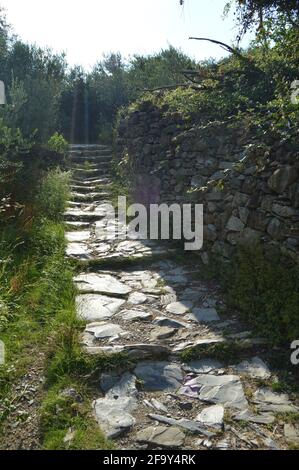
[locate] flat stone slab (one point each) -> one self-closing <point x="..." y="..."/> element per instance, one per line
<point x="137" y="298"/>
<point x="104" y="330"/>
<point x="170" y="322"/>
<point x="202" y="366"/>
<point x="134" y="351"/>
<point x="226" y="390"/>
<point x="255" y="368"/>
<point x="200" y="344"/>
<point x="135" y="315"/>
<point x="96" y="307"/>
<point x="101" y="283"/>
<point x="192" y="427"/>
<point x="161" y="436"/>
<point x="114" y="411"/>
<point x="271" y="401"/>
<point x="261" y="418"/>
<point x="156" y="376"/>
<point x="78" y="236"/>
<point x="291" y="433"/>
<point x="204" y="315"/>
<point x="156" y="404"/>
<point x="78" y="250"/>
<point x="212" y="416"/>
<point x="162" y="332"/>
<point x="179" y="308"/>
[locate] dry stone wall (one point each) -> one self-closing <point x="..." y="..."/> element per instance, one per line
<point x="249" y="186"/>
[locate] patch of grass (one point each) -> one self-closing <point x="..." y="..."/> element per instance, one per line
<point x="63" y="415"/>
<point x="226" y="352"/>
<point x="290" y="417"/>
<point x="37" y="298"/>
<point x="53" y="195"/>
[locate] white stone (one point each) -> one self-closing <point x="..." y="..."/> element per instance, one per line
<point x="104" y="330"/>
<point x="179" y="308"/>
<point x="94" y="307"/>
<point x="114" y="411"/>
<point x="212" y="416"/>
<point x="101" y="283"/>
<point x="77" y="236"/>
<point x="78" y="250"/>
<point x="255" y="368"/>
<point x="137" y="298"/>
<point x="135" y="315"/>
<point x="205" y="315"/>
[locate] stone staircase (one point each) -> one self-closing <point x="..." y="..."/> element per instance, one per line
<point x="198" y="378"/>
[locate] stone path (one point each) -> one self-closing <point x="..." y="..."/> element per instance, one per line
<point x="157" y="311"/>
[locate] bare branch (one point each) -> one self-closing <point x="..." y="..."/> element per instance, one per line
<point x="226" y="47"/>
<point x="171" y="87"/>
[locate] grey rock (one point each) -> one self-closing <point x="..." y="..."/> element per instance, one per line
<point x="187" y="424"/>
<point x="291" y="433"/>
<point x="77" y="236"/>
<point x="255" y="368"/>
<point x="235" y="224"/>
<point x="101" y="283"/>
<point x="114" y="411"/>
<point x="271" y="401"/>
<point x="262" y="418"/>
<point x="134" y="351"/>
<point x="179" y="308"/>
<point x="161" y="333"/>
<point x="268" y="442"/>
<point x="276" y="229"/>
<point x="204" y="315"/>
<point x="283" y="211"/>
<point x="93" y="307"/>
<point x="201" y="344"/>
<point x="104" y="330"/>
<point x="212" y="416"/>
<point x="135" y="315"/>
<point x="170" y="322"/>
<point x="161" y="436"/>
<point x="137" y="298"/>
<point x="156" y="404"/>
<point x="190" y="294"/>
<point x="78" y="250"/>
<point x="226" y="390"/>
<point x="282" y="178"/>
<point x="158" y="376"/>
<point x="202" y="366"/>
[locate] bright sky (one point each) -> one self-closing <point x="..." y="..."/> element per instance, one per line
<point x="87" y="29"/>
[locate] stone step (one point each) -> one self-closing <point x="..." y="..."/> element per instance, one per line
<point x="83" y="180"/>
<point x="93" y="181"/>
<point x="80" y="172"/>
<point x="79" y="188"/>
<point x="76" y="225"/>
<point x="89" y="197"/>
<point x="92" y="154"/>
<point x="88" y="146"/>
<point x="79" y="215"/>
<point x="87" y="166"/>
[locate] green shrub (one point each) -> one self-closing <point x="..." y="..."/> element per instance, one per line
<point x="264" y="287"/>
<point x="53" y="195"/>
<point x="57" y="143"/>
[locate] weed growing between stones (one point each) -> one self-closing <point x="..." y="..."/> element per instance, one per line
<point x="264" y="288"/>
